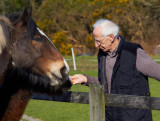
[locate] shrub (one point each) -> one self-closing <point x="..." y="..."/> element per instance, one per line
<point x="61" y="42"/>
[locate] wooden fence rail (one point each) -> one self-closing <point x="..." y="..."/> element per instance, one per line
<point x="71" y="97"/>
<point x="97" y="100"/>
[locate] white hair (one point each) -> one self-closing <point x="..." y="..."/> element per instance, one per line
<point x="4" y="23"/>
<point x="108" y="27"/>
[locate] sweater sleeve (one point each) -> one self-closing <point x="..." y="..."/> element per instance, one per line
<point x="146" y="65"/>
<point x="91" y="80"/>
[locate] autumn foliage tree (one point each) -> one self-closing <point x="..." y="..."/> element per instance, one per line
<point x="68" y="23"/>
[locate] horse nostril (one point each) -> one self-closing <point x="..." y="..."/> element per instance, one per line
<point x="64" y="72"/>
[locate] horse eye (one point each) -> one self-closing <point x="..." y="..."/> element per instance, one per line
<point x="37" y="39"/>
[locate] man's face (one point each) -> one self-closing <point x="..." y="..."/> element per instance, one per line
<point x="102" y="42"/>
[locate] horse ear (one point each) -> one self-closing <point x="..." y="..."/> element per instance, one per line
<point x="30" y="11"/>
<point x="24" y="17"/>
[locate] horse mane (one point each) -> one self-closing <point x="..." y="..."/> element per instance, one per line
<point x="28" y="80"/>
<point x="5" y="24"/>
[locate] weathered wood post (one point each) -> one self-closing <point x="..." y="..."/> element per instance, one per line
<point x="97" y="102"/>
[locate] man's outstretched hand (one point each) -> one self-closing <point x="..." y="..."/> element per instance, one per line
<point x="78" y="79"/>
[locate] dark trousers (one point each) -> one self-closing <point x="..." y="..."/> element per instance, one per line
<point x="127" y="114"/>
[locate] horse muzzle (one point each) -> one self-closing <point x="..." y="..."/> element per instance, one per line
<point x="65" y="78"/>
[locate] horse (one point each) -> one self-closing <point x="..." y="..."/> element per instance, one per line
<point x="29" y="63"/>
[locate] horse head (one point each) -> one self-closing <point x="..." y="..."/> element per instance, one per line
<point x="28" y="56"/>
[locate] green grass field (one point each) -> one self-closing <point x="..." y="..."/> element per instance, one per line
<point x="59" y="111"/>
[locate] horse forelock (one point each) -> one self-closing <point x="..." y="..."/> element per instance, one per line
<point x="5" y="24"/>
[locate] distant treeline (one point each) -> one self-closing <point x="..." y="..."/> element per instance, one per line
<point x="69" y="22"/>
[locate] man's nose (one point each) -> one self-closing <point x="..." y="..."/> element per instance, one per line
<point x="96" y="45"/>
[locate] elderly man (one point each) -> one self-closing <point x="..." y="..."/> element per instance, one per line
<point x="123" y="68"/>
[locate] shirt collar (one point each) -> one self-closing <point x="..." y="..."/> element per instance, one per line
<point x="114" y="53"/>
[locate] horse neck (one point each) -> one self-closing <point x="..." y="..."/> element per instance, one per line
<point x="5" y="63"/>
<point x="16" y="105"/>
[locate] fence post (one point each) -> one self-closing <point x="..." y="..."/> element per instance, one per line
<point x="74" y="62"/>
<point x="97" y="102"/>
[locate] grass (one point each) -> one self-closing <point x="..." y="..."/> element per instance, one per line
<point x="59" y="111"/>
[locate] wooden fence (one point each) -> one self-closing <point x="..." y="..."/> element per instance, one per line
<point x="97" y="100"/>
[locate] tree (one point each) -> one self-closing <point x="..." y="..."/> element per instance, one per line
<point x="11" y="6"/>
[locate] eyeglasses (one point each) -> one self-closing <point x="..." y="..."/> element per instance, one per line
<point x="98" y="42"/>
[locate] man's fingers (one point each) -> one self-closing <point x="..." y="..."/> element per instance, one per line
<point x="75" y="76"/>
<point x="76" y="79"/>
<point x="70" y="77"/>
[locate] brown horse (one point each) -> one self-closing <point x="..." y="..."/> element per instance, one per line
<point x="29" y="63"/>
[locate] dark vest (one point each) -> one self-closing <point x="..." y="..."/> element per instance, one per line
<point x="126" y="79"/>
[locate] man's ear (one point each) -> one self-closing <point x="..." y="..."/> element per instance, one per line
<point x="112" y="37"/>
<point x="23" y="17"/>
